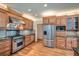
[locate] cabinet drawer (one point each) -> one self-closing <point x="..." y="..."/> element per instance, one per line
<point x="58" y="33"/>
<point x="6" y="53"/>
<point x="5" y="43"/>
<point x="3" y="49"/>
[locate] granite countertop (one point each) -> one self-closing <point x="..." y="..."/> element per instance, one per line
<point x="8" y="37"/>
<point x="3" y="38"/>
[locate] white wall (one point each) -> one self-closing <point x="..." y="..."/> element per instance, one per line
<point x="39" y="21"/>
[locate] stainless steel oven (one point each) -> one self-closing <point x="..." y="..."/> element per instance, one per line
<point x="17" y="43"/>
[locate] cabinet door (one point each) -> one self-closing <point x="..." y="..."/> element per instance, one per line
<point x="27" y="40"/>
<point x="32" y="37"/>
<point x="52" y="20"/>
<point x="27" y="25"/>
<point x="74" y="43"/>
<point x="69" y="43"/>
<point x="63" y="21"/>
<point x="3" y="19"/>
<point x="45" y="20"/>
<point x="30" y="25"/>
<point x="5" y="47"/>
<point x="58" y="21"/>
<point x="60" y="42"/>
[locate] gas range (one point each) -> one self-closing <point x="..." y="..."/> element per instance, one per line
<point x="17" y="43"/>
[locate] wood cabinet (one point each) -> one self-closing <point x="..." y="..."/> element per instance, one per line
<point x="30" y="25"/>
<point x="49" y="20"/>
<point x="4" y="19"/>
<point x="61" y="33"/>
<point x="5" y="47"/>
<point x="58" y="20"/>
<point x="60" y="42"/>
<point x="29" y="39"/>
<point x="63" y="21"/>
<point x="67" y="42"/>
<point x="45" y="20"/>
<point x="72" y="42"/>
<point x="52" y="20"/>
<point x="27" y="26"/>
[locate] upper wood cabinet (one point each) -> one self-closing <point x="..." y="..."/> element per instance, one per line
<point x="45" y="20"/>
<point x="63" y="20"/>
<point x="58" y="20"/>
<point x="49" y="20"/>
<point x="30" y="25"/>
<point x="4" y="19"/>
<point x="52" y="20"/>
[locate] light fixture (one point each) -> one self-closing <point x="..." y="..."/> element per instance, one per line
<point x="29" y="10"/>
<point x="45" y="5"/>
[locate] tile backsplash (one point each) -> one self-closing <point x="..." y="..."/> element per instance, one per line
<point x="2" y="33"/>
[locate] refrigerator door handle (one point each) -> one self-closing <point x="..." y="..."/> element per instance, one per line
<point x="45" y="33"/>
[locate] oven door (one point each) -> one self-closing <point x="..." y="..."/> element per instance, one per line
<point x="17" y="44"/>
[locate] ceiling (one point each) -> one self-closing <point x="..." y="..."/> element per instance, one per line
<point x="38" y="8"/>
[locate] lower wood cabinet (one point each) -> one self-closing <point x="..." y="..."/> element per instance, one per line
<point x="67" y="42"/>
<point x="29" y="39"/>
<point x="5" y="47"/>
<point x="60" y="42"/>
<point x="72" y="42"/>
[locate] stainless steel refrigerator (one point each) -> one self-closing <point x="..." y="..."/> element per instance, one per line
<point x="49" y="32"/>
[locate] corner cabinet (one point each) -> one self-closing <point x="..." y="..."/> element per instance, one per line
<point x="4" y="19"/>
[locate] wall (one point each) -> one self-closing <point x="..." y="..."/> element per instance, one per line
<point x="39" y="21"/>
<point x="40" y="31"/>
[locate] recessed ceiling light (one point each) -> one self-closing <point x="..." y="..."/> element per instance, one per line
<point x="29" y="10"/>
<point x="45" y="5"/>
